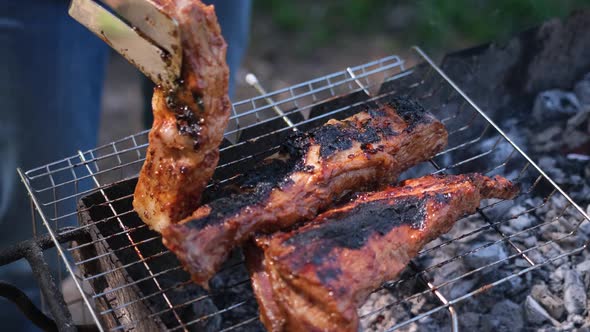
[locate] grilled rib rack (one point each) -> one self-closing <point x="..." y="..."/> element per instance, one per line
<point x="129" y="281"/>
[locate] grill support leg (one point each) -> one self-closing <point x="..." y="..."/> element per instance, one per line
<point x="26" y="306"/>
<point x="440" y="297"/>
<point x="54" y="298"/>
<point x="32" y="251"/>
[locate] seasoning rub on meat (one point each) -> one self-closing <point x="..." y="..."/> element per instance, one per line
<point x="312" y="170"/>
<point x="315" y="277"/>
<point x="188" y="123"/>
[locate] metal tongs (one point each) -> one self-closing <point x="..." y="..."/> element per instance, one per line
<point x="139" y="31"/>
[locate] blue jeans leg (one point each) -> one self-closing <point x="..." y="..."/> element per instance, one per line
<point x="234" y="18"/>
<point x="52" y="76"/>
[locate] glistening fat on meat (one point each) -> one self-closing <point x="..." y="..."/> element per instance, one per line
<point x="188" y="123"/>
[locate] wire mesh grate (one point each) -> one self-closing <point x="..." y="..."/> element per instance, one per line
<point x="135" y="283"/>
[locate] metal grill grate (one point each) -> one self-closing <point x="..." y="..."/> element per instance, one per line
<point x="135" y="282"/>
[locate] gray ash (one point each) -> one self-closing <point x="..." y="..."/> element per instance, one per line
<point x="555" y="131"/>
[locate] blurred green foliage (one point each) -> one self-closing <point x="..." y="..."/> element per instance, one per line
<point x="486" y="20"/>
<point x="436" y="23"/>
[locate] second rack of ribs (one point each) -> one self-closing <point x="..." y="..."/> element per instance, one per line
<point x="309" y="173"/>
<point x="314" y="278"/>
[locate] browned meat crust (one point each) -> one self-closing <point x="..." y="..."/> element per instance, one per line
<point x="188" y="122"/>
<point x="314" y="278"/>
<point x="314" y="169"/>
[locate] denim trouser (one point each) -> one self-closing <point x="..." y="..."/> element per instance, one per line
<point x="234" y="18"/>
<point x="52" y="72"/>
<point x="51" y="80"/>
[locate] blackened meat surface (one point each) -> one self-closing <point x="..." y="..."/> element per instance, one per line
<point x="367" y="218"/>
<point x="314" y="277"/>
<point x="311" y="171"/>
<point x="188" y="123"/>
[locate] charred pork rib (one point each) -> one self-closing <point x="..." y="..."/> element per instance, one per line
<point x="312" y="170"/>
<point x="188" y="122"/>
<point x="313" y="278"/>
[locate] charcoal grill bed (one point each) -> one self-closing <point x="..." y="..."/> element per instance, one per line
<point x="137" y="284"/>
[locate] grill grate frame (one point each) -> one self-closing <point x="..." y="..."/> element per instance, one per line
<point x="255" y="129"/>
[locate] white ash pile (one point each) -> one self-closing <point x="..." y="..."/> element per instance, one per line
<point x="542" y="223"/>
<point x="560" y="141"/>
